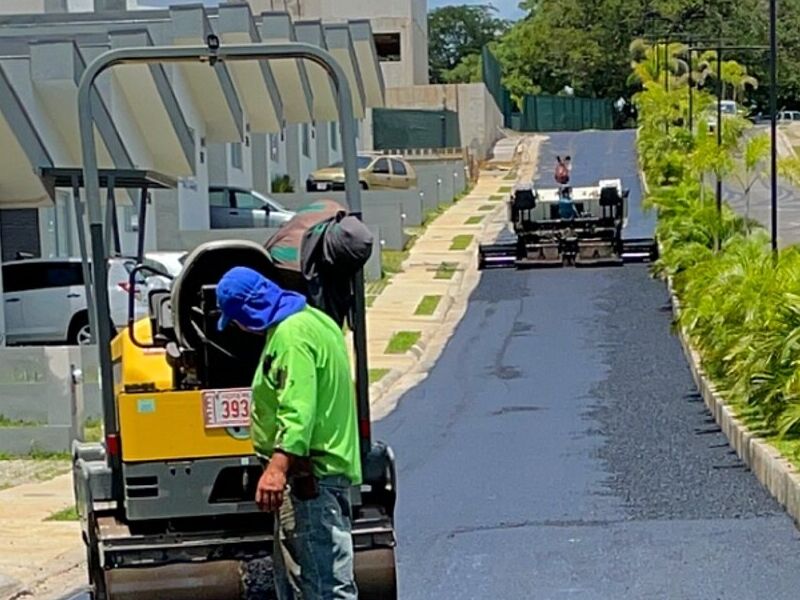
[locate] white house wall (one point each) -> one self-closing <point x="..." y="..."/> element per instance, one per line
<point x="164" y="117"/>
<point x="254" y="80"/>
<point x="25" y="190"/>
<point x="210" y="87"/>
<point x="17" y="69"/>
<point x="54" y="69"/>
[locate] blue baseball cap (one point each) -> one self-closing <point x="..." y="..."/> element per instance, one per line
<point x="253" y="301"/>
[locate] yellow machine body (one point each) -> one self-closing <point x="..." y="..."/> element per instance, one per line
<point x="156" y="422"/>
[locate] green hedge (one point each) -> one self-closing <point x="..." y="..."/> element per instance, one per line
<point x="740" y="305"/>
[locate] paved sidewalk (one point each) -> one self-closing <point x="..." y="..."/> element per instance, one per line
<point x="447" y="248"/>
<point x="34" y="549"/>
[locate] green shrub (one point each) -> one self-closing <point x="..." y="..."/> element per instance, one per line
<point x="282" y="184"/>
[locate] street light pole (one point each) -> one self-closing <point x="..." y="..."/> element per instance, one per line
<point x="719" y="124"/>
<point x="691" y="93"/>
<point x="666" y="72"/>
<point x="773" y="109"/>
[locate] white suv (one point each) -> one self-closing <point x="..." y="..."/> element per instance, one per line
<point x="45" y="299"/>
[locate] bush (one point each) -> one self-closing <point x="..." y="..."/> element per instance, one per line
<point x="740" y="306"/>
<point x="282" y="184"/>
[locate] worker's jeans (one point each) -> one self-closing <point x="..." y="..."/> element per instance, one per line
<point x="313" y="556"/>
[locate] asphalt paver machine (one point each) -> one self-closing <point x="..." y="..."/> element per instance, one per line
<point x="566" y="226"/>
<point x="166" y="500"/>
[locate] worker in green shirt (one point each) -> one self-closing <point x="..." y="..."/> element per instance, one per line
<point x="304" y="425"/>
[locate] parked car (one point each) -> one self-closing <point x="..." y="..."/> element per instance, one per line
<point x="170" y="263"/>
<point x="237" y="208"/>
<point x="788" y="116"/>
<point x="729" y="109"/>
<point x="374" y="172"/>
<point x="45" y="299"/>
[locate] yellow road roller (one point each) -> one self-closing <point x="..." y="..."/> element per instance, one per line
<point x="167" y="498"/>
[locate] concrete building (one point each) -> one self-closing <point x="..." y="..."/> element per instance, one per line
<point x="239" y="124"/>
<point x="400" y="28"/>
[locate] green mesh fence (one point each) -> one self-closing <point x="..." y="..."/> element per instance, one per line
<point x="542" y="112"/>
<point x="492" y="73"/>
<point x="402" y="129"/>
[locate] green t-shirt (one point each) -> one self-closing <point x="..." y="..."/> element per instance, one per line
<point x="304" y="398"/>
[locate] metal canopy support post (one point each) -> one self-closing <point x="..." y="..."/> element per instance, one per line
<point x="87" y="275"/>
<point x="115" y="227"/>
<point x="773" y="109"/>
<point x="210" y="54"/>
<point x="140" y="231"/>
<point x="110" y="212"/>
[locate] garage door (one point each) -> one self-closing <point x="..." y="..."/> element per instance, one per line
<point x="19" y="232"/>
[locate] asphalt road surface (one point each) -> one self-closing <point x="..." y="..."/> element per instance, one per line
<point x="559" y="449"/>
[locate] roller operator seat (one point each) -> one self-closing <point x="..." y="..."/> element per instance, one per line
<point x="203" y="356"/>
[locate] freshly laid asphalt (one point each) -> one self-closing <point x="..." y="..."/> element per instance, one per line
<point x="558" y="449"/>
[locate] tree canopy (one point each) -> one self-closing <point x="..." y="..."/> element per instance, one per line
<point x="585" y="44"/>
<point x="458" y="33"/>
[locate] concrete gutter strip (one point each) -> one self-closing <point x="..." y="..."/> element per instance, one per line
<point x="774" y="472"/>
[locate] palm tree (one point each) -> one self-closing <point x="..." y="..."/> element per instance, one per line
<point x="734" y="75"/>
<point x="648" y="64"/>
<point x="756" y="150"/>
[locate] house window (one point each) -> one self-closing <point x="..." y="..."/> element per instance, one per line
<point x="236" y="156"/>
<point x="387" y="46"/>
<point x="274" y="147"/>
<point x="306" y="133"/>
<point x="334" y="136"/>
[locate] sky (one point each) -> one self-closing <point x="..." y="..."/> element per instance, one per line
<point x="508" y="8"/>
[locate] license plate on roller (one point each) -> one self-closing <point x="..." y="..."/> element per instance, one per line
<point x="322" y="187"/>
<point x="226" y="408"/>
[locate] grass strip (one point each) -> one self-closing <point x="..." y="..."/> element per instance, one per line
<point x="446" y="270"/>
<point x="486" y="207"/>
<point x="68" y="514"/>
<point x="93" y="430"/>
<point x="7" y="422"/>
<point x="392" y="261"/>
<point x="402" y="342"/>
<point x="461" y="242"/>
<point x="427" y="306"/>
<point x="375" y="375"/>
<point x="506" y="189"/>
<point x="473" y="221"/>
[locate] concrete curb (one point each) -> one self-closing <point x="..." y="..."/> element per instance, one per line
<point x="774" y="472"/>
<point x="10" y="588"/>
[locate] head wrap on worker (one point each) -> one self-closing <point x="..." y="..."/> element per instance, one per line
<point x="253" y="301"/>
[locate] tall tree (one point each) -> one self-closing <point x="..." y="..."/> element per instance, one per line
<point x="458" y="32"/>
<point x="585" y="44"/>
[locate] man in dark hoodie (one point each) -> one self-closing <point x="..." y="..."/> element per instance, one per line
<point x="304" y="426"/>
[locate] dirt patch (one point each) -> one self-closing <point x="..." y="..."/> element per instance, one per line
<point x="15" y="472"/>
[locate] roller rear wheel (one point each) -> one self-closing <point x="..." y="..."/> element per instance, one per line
<point x="376" y="574"/>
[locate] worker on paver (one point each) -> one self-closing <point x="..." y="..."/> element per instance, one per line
<point x="566" y="207"/>
<point x="304" y="427"/>
<point x="563" y="170"/>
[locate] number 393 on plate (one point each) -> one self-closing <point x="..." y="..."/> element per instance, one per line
<point x="226" y="408"/>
